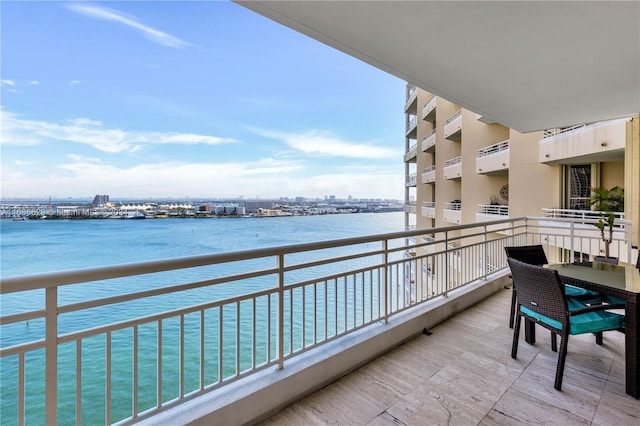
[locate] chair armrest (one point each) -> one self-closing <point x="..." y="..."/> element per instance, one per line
<point x="594" y="308"/>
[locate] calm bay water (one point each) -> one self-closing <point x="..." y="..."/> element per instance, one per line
<point x="43" y="246"/>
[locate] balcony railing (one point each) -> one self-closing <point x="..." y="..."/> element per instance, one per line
<point x="453" y="161"/>
<point x="497" y="209"/>
<point x="411" y="179"/>
<point x="428" y="111"/>
<point x="429" y="140"/>
<point x="552" y="132"/>
<point x="412" y="123"/>
<point x="411" y="153"/>
<point x="453" y="117"/>
<point x="452" y="206"/>
<point x="232" y="314"/>
<point x="494" y="149"/>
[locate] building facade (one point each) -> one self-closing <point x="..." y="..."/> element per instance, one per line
<point x="462" y="169"/>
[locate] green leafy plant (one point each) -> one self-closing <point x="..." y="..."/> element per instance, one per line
<point x="607" y="202"/>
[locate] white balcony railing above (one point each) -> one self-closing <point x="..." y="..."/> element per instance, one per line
<point x="411" y="179"/>
<point x="429" y="204"/>
<point x="453" y="117"/>
<point x="429" y="140"/>
<point x="578" y="216"/>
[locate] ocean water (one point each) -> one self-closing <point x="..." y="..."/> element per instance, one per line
<point x="29" y="247"/>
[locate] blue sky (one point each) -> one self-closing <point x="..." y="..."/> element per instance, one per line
<point x="195" y="99"/>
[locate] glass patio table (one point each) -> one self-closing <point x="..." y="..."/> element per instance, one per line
<point x="620" y="282"/>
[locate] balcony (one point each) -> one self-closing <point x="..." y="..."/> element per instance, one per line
<point x="490" y="212"/>
<point x="429" y="174"/>
<point x="578" y="231"/>
<point x="453" y="127"/>
<point x="410" y="105"/>
<point x="429" y="110"/>
<point x="588" y="143"/>
<point x="411" y="179"/>
<point x="452" y="212"/>
<point x="493" y="159"/>
<point x="453" y="168"/>
<point x="429" y="141"/>
<point x="429" y="209"/>
<point x="410" y="207"/>
<point x="252" y="331"/>
<point x="411" y="154"/>
<point x="412" y="126"/>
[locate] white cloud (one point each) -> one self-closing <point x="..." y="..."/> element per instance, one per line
<point x="18" y="131"/>
<point x="8" y="82"/>
<point x="34" y="82"/>
<point x="152" y="34"/>
<point x="75" y="82"/>
<point x="323" y="143"/>
<point x="267" y="177"/>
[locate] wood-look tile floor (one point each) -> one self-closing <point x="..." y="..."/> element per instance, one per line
<point x="463" y="374"/>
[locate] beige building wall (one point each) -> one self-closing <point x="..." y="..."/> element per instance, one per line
<point x="532" y="185"/>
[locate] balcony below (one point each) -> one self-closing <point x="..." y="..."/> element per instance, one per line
<point x="463" y="374"/>
<point x="411" y="154"/>
<point x="412" y="126"/>
<point x="429" y="174"/>
<point x="452" y="213"/>
<point x="429" y="209"/>
<point x="453" y="168"/>
<point x="410" y="207"/>
<point x="429" y="141"/>
<point x="493" y="159"/>
<point x="411" y="179"/>
<point x="453" y="127"/>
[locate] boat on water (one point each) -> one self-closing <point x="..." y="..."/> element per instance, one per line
<point x="19" y="218"/>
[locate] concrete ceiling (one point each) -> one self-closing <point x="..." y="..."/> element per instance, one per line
<point x="529" y="65"/>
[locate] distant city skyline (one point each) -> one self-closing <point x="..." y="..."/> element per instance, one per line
<point x="188" y="100"/>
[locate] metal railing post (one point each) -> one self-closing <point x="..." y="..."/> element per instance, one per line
<point x="51" y="355"/>
<point x="573" y="236"/>
<point x="387" y="281"/>
<point x="485" y="259"/>
<point x="446" y="264"/>
<point x="280" y="311"/>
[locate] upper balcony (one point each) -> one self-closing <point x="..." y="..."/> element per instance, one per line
<point x="429" y="141"/>
<point x="411" y="154"/>
<point x="249" y="332"/>
<point x="452" y="212"/>
<point x="411" y="105"/>
<point x="453" y="127"/>
<point x="453" y="168"/>
<point x="589" y="143"/>
<point x="412" y="126"/>
<point x="429" y="109"/>
<point x="429" y="174"/>
<point x="493" y="159"/>
<point x="411" y="179"/>
<point x="429" y="209"/>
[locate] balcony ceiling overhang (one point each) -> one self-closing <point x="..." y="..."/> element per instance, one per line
<point x="528" y="65"/>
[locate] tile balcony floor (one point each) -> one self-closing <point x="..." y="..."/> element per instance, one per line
<point x="463" y="374"/>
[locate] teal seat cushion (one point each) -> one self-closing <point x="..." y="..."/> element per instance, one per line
<point x="572" y="291"/>
<point x="590" y="322"/>
<point x="614" y="300"/>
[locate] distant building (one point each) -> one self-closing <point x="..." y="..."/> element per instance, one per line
<point x="100" y="200"/>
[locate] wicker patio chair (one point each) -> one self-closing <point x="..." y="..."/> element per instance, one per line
<point x="541" y="299"/>
<point x="535" y="255"/>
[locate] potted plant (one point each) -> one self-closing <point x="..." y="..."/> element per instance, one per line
<point x="607" y="202"/>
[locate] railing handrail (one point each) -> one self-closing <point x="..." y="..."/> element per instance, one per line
<point x="452" y="206"/>
<point x="428" y="169"/>
<point x="454" y="116"/>
<point x="493" y="149"/>
<point x="575" y="214"/>
<point x="429" y="134"/>
<point x="499" y="209"/>
<point x="453" y="161"/>
<point x="446" y="245"/>
<point x="428" y="204"/>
